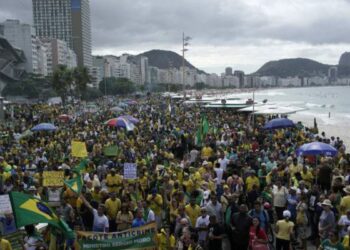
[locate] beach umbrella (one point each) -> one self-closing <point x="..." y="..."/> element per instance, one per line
<point x="44" y="127"/>
<point x="317" y="148"/>
<point x="64" y="117"/>
<point x="131" y="102"/>
<point x="132" y="119"/>
<point x="123" y="105"/>
<point x="279" y="123"/>
<point x="25" y="134"/>
<point x="120" y="123"/>
<point x="117" y="109"/>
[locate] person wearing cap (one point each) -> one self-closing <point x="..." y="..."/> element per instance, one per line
<point x="345" y="201"/>
<point x="327" y="220"/>
<point x="284" y="231"/>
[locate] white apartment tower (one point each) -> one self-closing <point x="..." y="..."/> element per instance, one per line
<point x="67" y="20"/>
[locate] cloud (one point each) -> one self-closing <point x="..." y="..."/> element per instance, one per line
<point x="226" y="32"/>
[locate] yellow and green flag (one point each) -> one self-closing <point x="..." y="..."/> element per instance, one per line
<point x="81" y="167"/>
<point x="75" y="184"/>
<point x="28" y="210"/>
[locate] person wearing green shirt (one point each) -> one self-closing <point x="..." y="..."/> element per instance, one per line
<point x="333" y="243"/>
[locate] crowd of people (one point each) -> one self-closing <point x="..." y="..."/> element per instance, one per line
<point x="241" y="187"/>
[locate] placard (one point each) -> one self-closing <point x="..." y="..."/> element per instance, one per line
<point x="130" y="171"/>
<point x="5" y="204"/>
<point x="16" y="240"/>
<point x="53" y="178"/>
<point x="134" y="238"/>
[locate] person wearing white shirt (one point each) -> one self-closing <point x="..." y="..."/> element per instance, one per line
<point x="101" y="223"/>
<point x="149" y="215"/>
<point x="202" y="226"/>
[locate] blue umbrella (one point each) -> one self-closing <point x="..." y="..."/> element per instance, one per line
<point x="317" y="148"/>
<point x="279" y="123"/>
<point x="44" y="127"/>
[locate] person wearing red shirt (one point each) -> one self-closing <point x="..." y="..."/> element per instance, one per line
<point x="257" y="236"/>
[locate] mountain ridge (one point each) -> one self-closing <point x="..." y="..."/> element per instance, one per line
<point x="165" y="59"/>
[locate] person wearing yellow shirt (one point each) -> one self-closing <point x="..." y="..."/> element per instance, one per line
<point x="165" y="240"/>
<point x="188" y="183"/>
<point x="5" y="244"/>
<point x="96" y="194"/>
<point x="345" y="201"/>
<point x="156" y="204"/>
<point x="252" y="180"/>
<point x="207" y="151"/>
<point x="113" y="206"/>
<point x="307" y="176"/>
<point x="193" y="211"/>
<point x="114" y="182"/>
<point x="284" y="230"/>
<point x="295" y="167"/>
<point x="71" y="197"/>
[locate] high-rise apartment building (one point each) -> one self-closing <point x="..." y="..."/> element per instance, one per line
<point x="67" y="20"/>
<point x="58" y="53"/>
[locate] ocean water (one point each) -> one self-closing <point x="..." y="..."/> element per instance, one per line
<point x="329" y="105"/>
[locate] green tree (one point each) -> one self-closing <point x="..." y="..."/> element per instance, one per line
<point x="81" y="78"/>
<point x="62" y="81"/>
<point x="199" y="85"/>
<point x="117" y="86"/>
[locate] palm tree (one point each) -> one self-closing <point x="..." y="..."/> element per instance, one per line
<point x="62" y="81"/>
<point x="81" y="79"/>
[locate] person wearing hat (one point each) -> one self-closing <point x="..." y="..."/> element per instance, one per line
<point x="327" y="220"/>
<point x="284" y="230"/>
<point x="345" y="201"/>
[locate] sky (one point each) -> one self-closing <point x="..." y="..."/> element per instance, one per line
<point x="242" y="34"/>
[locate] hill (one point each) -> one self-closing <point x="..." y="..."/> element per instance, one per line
<point x="293" y="67"/>
<point x="164" y="59"/>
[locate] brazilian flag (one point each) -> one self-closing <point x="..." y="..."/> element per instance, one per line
<point x="29" y="210"/>
<point x="75" y="184"/>
<point x="81" y="167"/>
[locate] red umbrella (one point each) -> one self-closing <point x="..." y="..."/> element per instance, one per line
<point x="64" y="117"/>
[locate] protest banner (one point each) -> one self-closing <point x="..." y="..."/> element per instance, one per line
<point x="53" y="178"/>
<point x="130" y="171"/>
<point x="131" y="239"/>
<point x="79" y="149"/>
<point x="5" y="204"/>
<point x="16" y="240"/>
